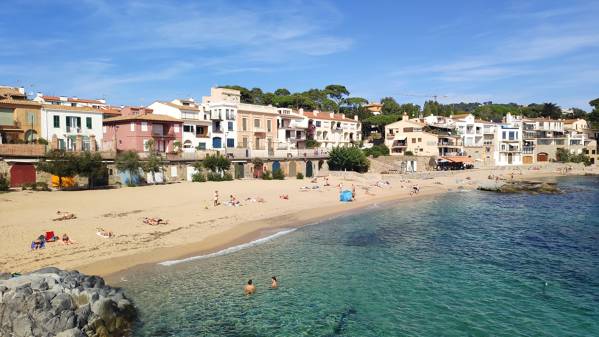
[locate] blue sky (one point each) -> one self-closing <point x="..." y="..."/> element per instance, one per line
<point x="135" y="52"/>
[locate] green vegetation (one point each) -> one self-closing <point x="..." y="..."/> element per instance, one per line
<point x="312" y="144"/>
<point x="39" y="186"/>
<point x="216" y="163"/>
<point x="128" y="161"/>
<point x="278" y="174"/>
<point x="299" y="175"/>
<point x="213" y="176"/>
<point x="593" y="117"/>
<point x="90" y="165"/>
<point x="198" y="177"/>
<point x="408" y="153"/>
<point x="4" y="183"/>
<point x="377" y="150"/>
<point x="59" y="163"/>
<point x="348" y="158"/>
<point x="565" y="156"/>
<point x="266" y="175"/>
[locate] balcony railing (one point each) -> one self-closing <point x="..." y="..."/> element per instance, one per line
<point x="22" y="150"/>
<point x="528" y="149"/>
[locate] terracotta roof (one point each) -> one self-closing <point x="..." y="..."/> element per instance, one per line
<point x="70" y="108"/>
<point x="181" y="107"/>
<point x="51" y="98"/>
<point x="111" y="110"/>
<point x="10" y="91"/>
<point x="327" y="116"/>
<point x="19" y="102"/>
<point x="145" y="117"/>
<point x="81" y="100"/>
<point x="572" y="121"/>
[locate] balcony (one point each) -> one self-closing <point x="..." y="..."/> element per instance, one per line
<point x="22" y="150"/>
<point x="73" y="129"/>
<point x="528" y="149"/>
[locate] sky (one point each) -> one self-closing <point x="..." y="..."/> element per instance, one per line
<point x="136" y="52"/>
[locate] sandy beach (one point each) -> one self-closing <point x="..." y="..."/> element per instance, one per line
<point x="195" y="226"/>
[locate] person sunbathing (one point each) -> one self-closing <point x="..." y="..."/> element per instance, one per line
<point x="284" y="196"/>
<point x="104" y="233"/>
<point x="66" y="240"/>
<point x="64" y="216"/>
<point x="37" y="244"/>
<point x="155" y="221"/>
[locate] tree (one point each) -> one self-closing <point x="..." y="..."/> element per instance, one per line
<point x="216" y="163"/>
<point x="379" y="121"/>
<point x="390" y="106"/>
<point x="348" y="158"/>
<point x="59" y="163"/>
<point x="593" y="117"/>
<point x="154" y="163"/>
<point x="128" y="161"/>
<point x="336" y="92"/>
<point x="90" y="165"/>
<point x="282" y="92"/>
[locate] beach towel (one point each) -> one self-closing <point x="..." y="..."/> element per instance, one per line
<point x="345" y="196"/>
<point x="50" y="237"/>
<point x="102" y="235"/>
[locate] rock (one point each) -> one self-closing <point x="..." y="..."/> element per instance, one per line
<point x="52" y="302"/>
<point x="5" y="276"/>
<point x="526" y="186"/>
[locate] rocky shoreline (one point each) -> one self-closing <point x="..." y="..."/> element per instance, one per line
<point x="55" y="303"/>
<point x="521" y="186"/>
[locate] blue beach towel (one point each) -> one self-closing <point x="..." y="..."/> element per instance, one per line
<point x="345" y="196"/>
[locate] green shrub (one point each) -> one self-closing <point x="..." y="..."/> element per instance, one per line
<point x="227" y="176"/>
<point x="312" y="144"/>
<point x="408" y="153"/>
<point x="348" y="158"/>
<point x="42" y="141"/>
<point x="198" y="177"/>
<point x="266" y="175"/>
<point x="299" y="175"/>
<point x="4" y="184"/>
<point x="211" y="176"/>
<point x="377" y="150"/>
<point x="278" y="174"/>
<point x="41" y="186"/>
<point x="564" y="156"/>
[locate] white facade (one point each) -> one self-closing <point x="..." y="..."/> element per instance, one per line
<point x="66" y="123"/>
<point x="292" y="129"/>
<point x="197" y="126"/>
<point x="508" y="144"/>
<point x="333" y="130"/>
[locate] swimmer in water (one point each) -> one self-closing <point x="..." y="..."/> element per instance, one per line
<point x="274" y="284"/>
<point x="249" y="288"/>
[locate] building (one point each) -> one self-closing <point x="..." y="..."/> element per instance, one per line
<point x="292" y="129"/>
<point x="136" y="127"/>
<point x="542" y="137"/>
<point x="19" y="116"/>
<point x="477" y="137"/>
<point x="222" y="106"/>
<point x="71" y="128"/>
<point x="257" y="127"/>
<point x="331" y="129"/>
<point x="374" y="108"/>
<point x="70" y="101"/>
<point x="409" y="137"/>
<point x="508" y="142"/>
<point x="197" y="125"/>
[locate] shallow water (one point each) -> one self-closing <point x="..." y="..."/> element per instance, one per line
<point x="464" y="264"/>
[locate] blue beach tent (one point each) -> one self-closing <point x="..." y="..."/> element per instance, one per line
<point x="345" y="196"/>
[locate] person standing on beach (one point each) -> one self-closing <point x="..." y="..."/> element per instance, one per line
<point x="249" y="288"/>
<point x="353" y="192"/>
<point x="274" y="284"/>
<point x="215" y="198"/>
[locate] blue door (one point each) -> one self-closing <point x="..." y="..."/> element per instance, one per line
<point x="276" y="165"/>
<point x="217" y="143"/>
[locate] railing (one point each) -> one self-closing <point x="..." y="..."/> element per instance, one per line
<point x="528" y="149"/>
<point x="73" y="129"/>
<point x="22" y="150"/>
<point x="246" y="153"/>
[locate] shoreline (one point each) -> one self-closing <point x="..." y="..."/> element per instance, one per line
<point x="195" y="226"/>
<point x="112" y="270"/>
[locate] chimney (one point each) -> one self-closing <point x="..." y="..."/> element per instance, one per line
<point x="405" y="117"/>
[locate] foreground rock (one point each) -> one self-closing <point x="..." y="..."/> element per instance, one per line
<point x="521" y="186"/>
<point x="55" y="303"/>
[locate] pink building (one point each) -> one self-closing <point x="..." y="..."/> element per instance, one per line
<point x="136" y="126"/>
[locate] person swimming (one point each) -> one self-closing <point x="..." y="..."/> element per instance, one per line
<point x="274" y="284"/>
<point x="249" y="288"/>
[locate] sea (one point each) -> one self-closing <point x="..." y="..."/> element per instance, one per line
<point x="459" y="264"/>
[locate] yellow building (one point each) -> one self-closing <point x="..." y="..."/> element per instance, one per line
<point x="256" y="126"/>
<point x="410" y="136"/>
<point x="19" y="116"/>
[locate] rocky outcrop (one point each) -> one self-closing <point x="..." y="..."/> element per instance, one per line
<point x="526" y="186"/>
<point x="56" y="303"/>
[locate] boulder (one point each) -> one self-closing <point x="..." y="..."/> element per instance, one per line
<point x="53" y="302"/>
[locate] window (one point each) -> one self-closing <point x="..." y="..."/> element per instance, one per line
<point x="413" y="140"/>
<point x="56" y="121"/>
<point x="419" y="140"/>
<point x="132" y="126"/>
<point x="201" y="146"/>
<point x="200" y="130"/>
<point x="257" y="143"/>
<point x="244" y="124"/>
<point x="144" y="126"/>
<point x="187" y="128"/>
<point x="230" y="126"/>
<point x="88" y="122"/>
<point x="245" y="142"/>
<point x="146" y="145"/>
<point x="256" y="123"/>
<point x="318" y="123"/>
<point x="230" y="142"/>
<point x="269" y="125"/>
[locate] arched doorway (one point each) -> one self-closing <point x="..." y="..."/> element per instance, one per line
<point x="22" y="173"/>
<point x="30" y="136"/>
<point x="309" y="169"/>
<point x="276" y="165"/>
<point x="292" y="169"/>
<point x="542" y="156"/>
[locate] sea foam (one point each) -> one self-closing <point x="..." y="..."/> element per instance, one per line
<point x="230" y="249"/>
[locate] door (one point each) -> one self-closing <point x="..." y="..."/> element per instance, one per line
<point x="292" y="169"/>
<point x="217" y="142"/>
<point x="509" y="158"/>
<point x="239" y="171"/>
<point x="22" y="173"/>
<point x="527" y="159"/>
<point x="276" y="165"/>
<point x="542" y="156"/>
<point x="258" y="170"/>
<point x="309" y="169"/>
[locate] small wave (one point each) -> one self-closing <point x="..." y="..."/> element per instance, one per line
<point x="230" y="249"/>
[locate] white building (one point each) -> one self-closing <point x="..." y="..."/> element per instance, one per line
<point x="222" y="107"/>
<point x="72" y="128"/>
<point x="197" y="124"/>
<point x="292" y="129"/>
<point x="331" y="129"/>
<point x="508" y="142"/>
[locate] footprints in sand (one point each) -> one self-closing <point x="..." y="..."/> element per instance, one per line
<point x="122" y="214"/>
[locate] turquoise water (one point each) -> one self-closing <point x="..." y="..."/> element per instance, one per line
<point x="465" y="264"/>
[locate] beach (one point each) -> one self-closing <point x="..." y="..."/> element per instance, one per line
<point x="195" y="226"/>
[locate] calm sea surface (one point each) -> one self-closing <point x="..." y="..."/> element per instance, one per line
<point x="465" y="264"/>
